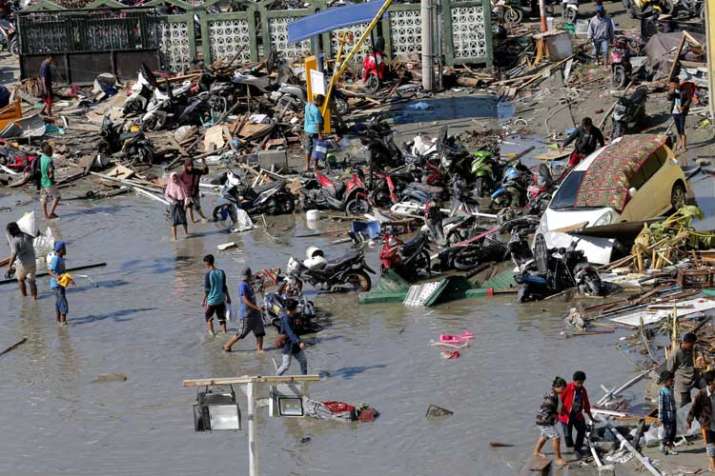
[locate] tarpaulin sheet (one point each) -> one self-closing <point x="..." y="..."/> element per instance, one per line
<point x="332" y="19"/>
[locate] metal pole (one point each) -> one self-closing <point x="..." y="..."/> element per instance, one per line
<point x="252" y="443"/>
<point x="427" y="61"/>
<point x="710" y="10"/>
<point x="542" y="15"/>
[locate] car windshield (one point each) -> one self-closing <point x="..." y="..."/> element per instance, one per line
<point x="568" y="191"/>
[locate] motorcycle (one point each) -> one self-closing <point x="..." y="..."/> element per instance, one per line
<point x="132" y="145"/>
<point x="409" y="259"/>
<point x="374" y="70"/>
<point x="349" y="271"/>
<point x="376" y="135"/>
<point x="621" y="69"/>
<point x="558" y="270"/>
<point x="8" y="37"/>
<point x="303" y="321"/>
<point x="272" y="198"/>
<point x="512" y="191"/>
<point x="485" y="169"/>
<point x="293" y="97"/>
<point x="350" y="196"/>
<point x="629" y="112"/>
<point x="508" y="11"/>
<point x="142" y="92"/>
<point x="539" y="191"/>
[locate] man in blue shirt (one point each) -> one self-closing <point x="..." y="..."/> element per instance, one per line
<point x="293" y="346"/>
<point x="312" y="126"/>
<point x="56" y="268"/>
<point x="251" y="315"/>
<point x="215" y="295"/>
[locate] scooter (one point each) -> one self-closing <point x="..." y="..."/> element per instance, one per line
<point x="8" y="37"/>
<point x="272" y="198"/>
<point x="512" y="192"/>
<point x="565" y="268"/>
<point x="629" y="112"/>
<point x="350" y="196"/>
<point x="621" y="69"/>
<point x="132" y="145"/>
<point x="410" y="259"/>
<point x="302" y="322"/>
<point x="346" y="273"/>
<point x="377" y="136"/>
<point x="142" y="92"/>
<point x="485" y="171"/>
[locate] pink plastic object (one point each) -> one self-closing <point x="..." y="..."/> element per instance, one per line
<point x="462" y="338"/>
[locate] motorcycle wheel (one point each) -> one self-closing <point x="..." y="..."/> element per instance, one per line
<point x="593" y="283"/>
<point x="14" y="47"/>
<point x="570" y="15"/>
<point x="522" y="295"/>
<point x="466" y="259"/>
<point x="379" y="198"/>
<point x="373" y="84"/>
<point x="513" y="16"/>
<point x="423" y="262"/>
<point x="359" y="280"/>
<point x="617" y="130"/>
<point x="455" y="236"/>
<point x="288" y="205"/>
<point x="619" y="76"/>
<point x="341" y="106"/>
<point x="357" y="206"/>
<point x="219" y="213"/>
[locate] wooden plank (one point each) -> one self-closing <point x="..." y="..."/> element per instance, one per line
<point x="14" y="346"/>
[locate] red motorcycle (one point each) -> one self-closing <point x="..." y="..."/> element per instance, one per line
<point x="349" y="196"/>
<point x="373" y="71"/>
<point x="410" y="259"/>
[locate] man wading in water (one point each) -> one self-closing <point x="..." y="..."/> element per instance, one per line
<point x="215" y="295"/>
<point x="251" y="318"/>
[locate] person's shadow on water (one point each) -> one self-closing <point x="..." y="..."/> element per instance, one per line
<point x="116" y="316"/>
<point x="347" y="373"/>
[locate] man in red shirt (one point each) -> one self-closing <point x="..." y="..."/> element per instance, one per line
<point x="574" y="404"/>
<point x="190" y="178"/>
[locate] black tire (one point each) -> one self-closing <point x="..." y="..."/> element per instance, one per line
<point x="617" y="130"/>
<point x="570" y="15"/>
<point x="14" y="47"/>
<point x="677" y="197"/>
<point x="522" y="295"/>
<point x="466" y="259"/>
<point x="455" y="236"/>
<point x="593" y="283"/>
<point x="619" y="77"/>
<point x="359" y="280"/>
<point x="423" y="262"/>
<point x="668" y="6"/>
<point x="288" y="205"/>
<point x="273" y="207"/>
<point x="356" y="207"/>
<point x="513" y="16"/>
<point x="379" y="198"/>
<point x="218" y="212"/>
<point x="480" y="186"/>
<point x="373" y="84"/>
<point x="341" y="106"/>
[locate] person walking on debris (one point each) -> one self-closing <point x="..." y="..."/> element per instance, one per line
<point x="667" y="413"/>
<point x="250" y="313"/>
<point x="177" y="197"/>
<point x="682" y="364"/>
<point x="680" y="99"/>
<point x="22" y="258"/>
<point x="588" y="138"/>
<point x="702" y="410"/>
<point x="575" y="404"/>
<point x="190" y="178"/>
<point x="600" y="32"/>
<point x="312" y="127"/>
<point x="56" y="268"/>
<point x="48" y="187"/>
<point x="546" y="420"/>
<point x="46" y="70"/>
<point x="292" y="346"/>
<point x="216" y="295"/>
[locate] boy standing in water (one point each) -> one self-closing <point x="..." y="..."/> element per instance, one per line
<point x="215" y="295"/>
<point x="667" y="413"/>
<point x="56" y="268"/>
<point x="546" y="421"/>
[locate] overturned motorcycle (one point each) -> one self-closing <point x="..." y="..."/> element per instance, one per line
<point x="347" y="273"/>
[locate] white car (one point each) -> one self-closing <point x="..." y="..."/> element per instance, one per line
<point x="635" y="177"/>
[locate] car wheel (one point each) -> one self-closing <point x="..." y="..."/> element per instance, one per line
<point x="677" y="197"/>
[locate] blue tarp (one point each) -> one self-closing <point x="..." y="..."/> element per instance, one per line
<point x="332" y="19"/>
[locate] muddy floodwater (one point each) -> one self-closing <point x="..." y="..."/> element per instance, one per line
<point x="141" y="316"/>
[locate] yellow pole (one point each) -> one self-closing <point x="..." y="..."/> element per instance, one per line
<point x="339" y="70"/>
<point x="311" y="63"/>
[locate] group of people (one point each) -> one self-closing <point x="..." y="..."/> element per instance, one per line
<point x="217" y="302"/>
<point x="568" y="405"/>
<point x="183" y="194"/>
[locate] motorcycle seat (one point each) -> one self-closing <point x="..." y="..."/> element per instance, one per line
<point x="413" y="243"/>
<point x="332" y="264"/>
<point x="267" y="186"/>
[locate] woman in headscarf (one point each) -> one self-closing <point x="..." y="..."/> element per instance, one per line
<point x="177" y="197"/>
